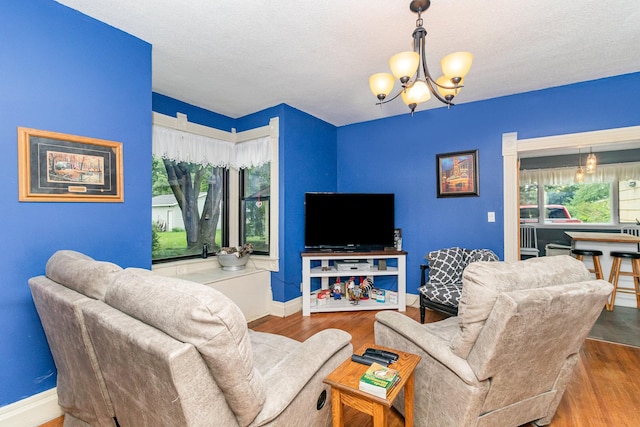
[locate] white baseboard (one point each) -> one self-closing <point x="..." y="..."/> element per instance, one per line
<point x="32" y="411"/>
<point x="284" y="309"/>
<point x="413" y="300"/>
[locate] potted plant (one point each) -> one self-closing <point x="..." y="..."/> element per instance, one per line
<point x="234" y="257"/>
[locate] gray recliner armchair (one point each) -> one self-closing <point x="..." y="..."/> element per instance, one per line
<point x="508" y="356"/>
<point x="82" y="393"/>
<point x="134" y="348"/>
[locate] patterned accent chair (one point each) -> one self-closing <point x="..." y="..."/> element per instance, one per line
<point x="442" y="291"/>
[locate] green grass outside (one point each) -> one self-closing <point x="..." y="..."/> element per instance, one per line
<point x="172" y="240"/>
<point x="171" y="244"/>
<point x="174" y="243"/>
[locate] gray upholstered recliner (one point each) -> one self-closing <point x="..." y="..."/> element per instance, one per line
<point x="508" y="356"/>
<point x="176" y="353"/>
<point x="82" y="394"/>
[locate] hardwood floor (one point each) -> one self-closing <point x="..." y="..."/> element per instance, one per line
<point x="605" y="390"/>
<point x="57" y="422"/>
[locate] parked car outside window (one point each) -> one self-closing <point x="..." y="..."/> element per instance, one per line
<point x="554" y="214"/>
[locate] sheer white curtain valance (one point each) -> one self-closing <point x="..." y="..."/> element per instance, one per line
<point x="183" y="146"/>
<point x="566" y="176"/>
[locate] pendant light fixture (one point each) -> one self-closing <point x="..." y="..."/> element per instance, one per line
<point x="580" y="172"/>
<point x="412" y="71"/>
<point x="591" y="162"/>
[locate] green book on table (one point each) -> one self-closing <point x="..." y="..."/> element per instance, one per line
<point x="378" y="380"/>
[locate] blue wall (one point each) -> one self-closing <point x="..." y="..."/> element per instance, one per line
<point x="399" y="156"/>
<point x="308" y="155"/>
<point x="65" y="72"/>
<point x="307" y="162"/>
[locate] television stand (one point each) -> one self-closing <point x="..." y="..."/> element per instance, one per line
<point x="324" y="265"/>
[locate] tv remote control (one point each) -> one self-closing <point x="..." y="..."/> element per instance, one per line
<point x="377" y="358"/>
<point x="386" y="354"/>
<point x="366" y="360"/>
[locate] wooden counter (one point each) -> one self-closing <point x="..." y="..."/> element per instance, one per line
<point x="594" y="236"/>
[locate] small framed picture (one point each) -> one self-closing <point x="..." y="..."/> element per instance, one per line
<point x="457" y="174"/>
<point x="56" y="167"/>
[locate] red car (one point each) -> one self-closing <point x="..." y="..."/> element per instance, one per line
<point x="555" y="214"/>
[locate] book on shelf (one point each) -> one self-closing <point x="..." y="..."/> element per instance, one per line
<point x="392" y="297"/>
<point x="378" y="380"/>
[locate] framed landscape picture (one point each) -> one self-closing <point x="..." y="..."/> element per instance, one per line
<point x="457" y="174"/>
<point x="55" y="167"/>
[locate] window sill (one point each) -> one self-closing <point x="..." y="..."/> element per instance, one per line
<point x="211" y="267"/>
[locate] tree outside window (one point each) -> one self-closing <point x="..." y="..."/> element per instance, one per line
<point x="590" y="203"/>
<point x="188" y="208"/>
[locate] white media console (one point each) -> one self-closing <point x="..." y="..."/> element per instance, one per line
<point x="330" y="265"/>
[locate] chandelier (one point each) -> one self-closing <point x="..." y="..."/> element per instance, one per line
<point x="411" y="69"/>
<point x="592" y="162"/>
<point x="580" y="172"/>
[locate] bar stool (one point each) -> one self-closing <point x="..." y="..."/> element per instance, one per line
<point x="595" y="256"/>
<point x="617" y="257"/>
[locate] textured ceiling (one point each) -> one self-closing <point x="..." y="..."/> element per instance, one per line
<point x="236" y="58"/>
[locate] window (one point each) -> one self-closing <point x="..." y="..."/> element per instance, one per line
<point x="188" y="209"/>
<point x="255" y="206"/>
<point x="568" y="204"/>
<point x="213" y="188"/>
<point x="629" y="201"/>
<point x="603" y="199"/>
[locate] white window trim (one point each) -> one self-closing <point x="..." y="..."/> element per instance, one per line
<point x="512" y="147"/>
<point x="272" y="130"/>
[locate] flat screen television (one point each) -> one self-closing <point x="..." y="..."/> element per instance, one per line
<point x="349" y="221"/>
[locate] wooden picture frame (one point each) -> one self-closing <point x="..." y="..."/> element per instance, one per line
<point x="457" y="174"/>
<point x="56" y="167"/>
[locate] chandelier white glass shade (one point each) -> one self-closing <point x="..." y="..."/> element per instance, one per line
<point x="410" y="68"/>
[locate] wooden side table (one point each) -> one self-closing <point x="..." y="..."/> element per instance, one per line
<point x="344" y="389"/>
